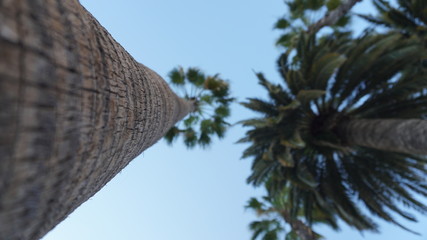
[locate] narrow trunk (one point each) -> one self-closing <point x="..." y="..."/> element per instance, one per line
<point x="75" y="109"/>
<point x="302" y="230"/>
<point x="394" y="135"/>
<point x="333" y="16"/>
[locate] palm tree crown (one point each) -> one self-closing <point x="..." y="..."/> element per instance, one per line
<point x="211" y="95"/>
<point x="298" y="143"/>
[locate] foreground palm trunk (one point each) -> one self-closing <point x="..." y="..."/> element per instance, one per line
<point x="393" y="135"/>
<point x="75" y="109"/>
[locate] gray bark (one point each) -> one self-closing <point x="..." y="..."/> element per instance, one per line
<point x="395" y="135"/>
<point x="333" y="16"/>
<point x="75" y="109"/>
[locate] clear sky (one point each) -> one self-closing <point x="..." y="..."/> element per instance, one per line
<point x="170" y="193"/>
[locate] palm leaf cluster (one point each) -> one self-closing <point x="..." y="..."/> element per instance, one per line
<point x="212" y="96"/>
<point x="410" y="17"/>
<point x="274" y="210"/>
<point x="297" y="143"/>
<point x="301" y="15"/>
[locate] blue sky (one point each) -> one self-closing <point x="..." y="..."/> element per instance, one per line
<point x="170" y="192"/>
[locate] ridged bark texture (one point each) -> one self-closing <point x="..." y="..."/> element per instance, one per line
<point x="75" y="109"/>
<point x="395" y="135"/>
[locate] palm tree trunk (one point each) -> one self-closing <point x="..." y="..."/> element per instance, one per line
<point x="75" y="109"/>
<point x="301" y="229"/>
<point x="395" y="135"/>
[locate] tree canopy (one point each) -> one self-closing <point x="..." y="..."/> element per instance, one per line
<point x="301" y="153"/>
<point x="298" y="144"/>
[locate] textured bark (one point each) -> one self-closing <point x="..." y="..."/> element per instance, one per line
<point x="76" y="108"/>
<point x="302" y="230"/>
<point x="333" y="16"/>
<point x="395" y="135"/>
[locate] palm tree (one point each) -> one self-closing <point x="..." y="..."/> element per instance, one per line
<point x="212" y="96"/>
<point x="76" y="108"/>
<point x="348" y="127"/>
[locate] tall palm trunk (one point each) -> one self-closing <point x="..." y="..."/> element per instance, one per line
<point x="394" y="135"/>
<point x="75" y="109"/>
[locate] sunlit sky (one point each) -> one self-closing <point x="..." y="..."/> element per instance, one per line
<point x="170" y="193"/>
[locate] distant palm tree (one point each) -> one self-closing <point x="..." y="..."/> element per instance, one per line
<point x="212" y="96"/>
<point x="349" y="126"/>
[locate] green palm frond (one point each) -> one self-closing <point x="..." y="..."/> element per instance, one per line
<point x="363" y="75"/>
<point x="301" y="15"/>
<point x="261" y="106"/>
<point x="283" y="208"/>
<point x="409" y="16"/>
